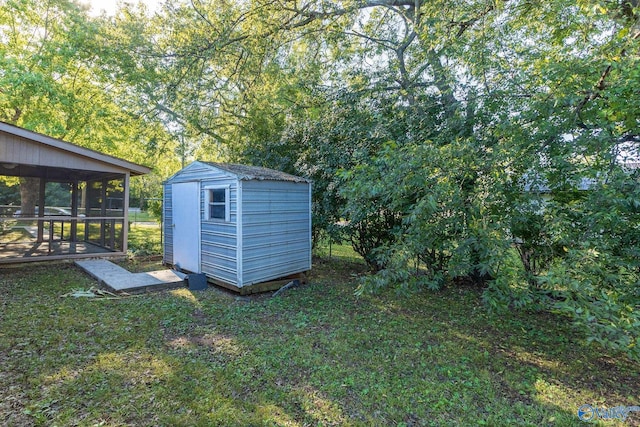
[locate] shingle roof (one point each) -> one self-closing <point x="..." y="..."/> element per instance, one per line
<point x="248" y="173"/>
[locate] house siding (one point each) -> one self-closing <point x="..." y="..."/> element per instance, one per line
<point x="276" y="227"/>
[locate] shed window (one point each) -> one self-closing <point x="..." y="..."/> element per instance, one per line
<point x="218" y="204"/>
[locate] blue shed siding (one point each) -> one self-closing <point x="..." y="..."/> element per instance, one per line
<point x="219" y="251"/>
<point x="196" y="171"/>
<point x="275" y="230"/>
<point x="218" y="239"/>
<point x="193" y="172"/>
<point x="268" y="235"/>
<point x="167" y="220"/>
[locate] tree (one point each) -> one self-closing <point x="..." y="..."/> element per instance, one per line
<point x="503" y="103"/>
<point x="53" y="81"/>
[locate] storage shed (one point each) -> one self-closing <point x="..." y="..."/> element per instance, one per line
<point x="239" y="225"/>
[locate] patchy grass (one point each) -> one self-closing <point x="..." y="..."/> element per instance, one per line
<point x="316" y="355"/>
<point x="14" y="235"/>
<point x="144" y="240"/>
<point x="335" y="251"/>
<point x="141" y="264"/>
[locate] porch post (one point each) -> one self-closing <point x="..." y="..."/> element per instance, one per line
<point x="125" y="207"/>
<point x="41" y="202"/>
<point x="74" y="211"/>
<point x="103" y="211"/>
<point x="83" y="201"/>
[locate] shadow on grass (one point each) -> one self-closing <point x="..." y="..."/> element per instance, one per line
<point x="316" y="355"/>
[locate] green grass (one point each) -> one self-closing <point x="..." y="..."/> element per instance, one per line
<point x="14" y="235"/>
<point x="335" y="251"/>
<point x="316" y="355"/>
<point x="144" y="240"/>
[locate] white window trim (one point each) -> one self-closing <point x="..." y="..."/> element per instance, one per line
<point x="207" y="201"/>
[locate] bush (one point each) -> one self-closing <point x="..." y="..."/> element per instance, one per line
<point x="600" y="295"/>
<point x="144" y="241"/>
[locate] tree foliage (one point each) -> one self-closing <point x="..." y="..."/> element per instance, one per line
<point x="496" y="114"/>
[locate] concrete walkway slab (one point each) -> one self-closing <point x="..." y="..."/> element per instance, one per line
<point x="119" y="279"/>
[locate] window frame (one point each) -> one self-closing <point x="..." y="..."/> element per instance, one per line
<point x="208" y="203"/>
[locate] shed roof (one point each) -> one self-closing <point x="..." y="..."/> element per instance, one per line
<point x="249" y="173"/>
<point x="34" y="154"/>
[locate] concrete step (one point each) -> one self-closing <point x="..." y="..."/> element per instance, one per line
<point x="119" y="279"/>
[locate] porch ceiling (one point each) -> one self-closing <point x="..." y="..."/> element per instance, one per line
<point x="26" y="153"/>
<point x="54" y="174"/>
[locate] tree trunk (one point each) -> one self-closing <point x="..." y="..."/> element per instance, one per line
<point x="29" y="190"/>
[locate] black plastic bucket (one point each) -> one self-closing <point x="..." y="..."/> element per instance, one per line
<point x="197" y="282"/>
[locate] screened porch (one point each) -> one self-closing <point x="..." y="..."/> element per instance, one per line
<point x="73" y="206"/>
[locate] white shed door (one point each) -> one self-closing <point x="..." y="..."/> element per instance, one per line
<point x="186" y="225"/>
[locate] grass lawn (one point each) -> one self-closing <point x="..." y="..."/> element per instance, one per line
<point x="144" y="239"/>
<point x="315" y="355"/>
